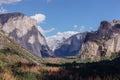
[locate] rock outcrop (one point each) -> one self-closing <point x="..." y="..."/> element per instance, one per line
<point x="102" y="43"/>
<point x="25" y="31"/>
<point x="93" y="45"/>
<point x="71" y="46"/>
<point x="56" y="40"/>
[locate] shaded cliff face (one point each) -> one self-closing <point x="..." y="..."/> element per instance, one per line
<point x="103" y="42"/>
<point x="25" y="31"/>
<point x="71" y="46"/>
<point x="56" y="40"/>
<point x="11" y="52"/>
<point x="93" y="45"/>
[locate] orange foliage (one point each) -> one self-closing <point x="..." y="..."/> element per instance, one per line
<point x="29" y="67"/>
<point x="53" y="60"/>
<point x="51" y="69"/>
<point x="7" y="76"/>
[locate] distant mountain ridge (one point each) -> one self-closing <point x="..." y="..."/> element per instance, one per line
<point x="25" y="31"/>
<point x="70" y="46"/>
<point x="93" y="45"/>
<point x="56" y="40"/>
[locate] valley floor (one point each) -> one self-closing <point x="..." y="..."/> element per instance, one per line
<point x="103" y="70"/>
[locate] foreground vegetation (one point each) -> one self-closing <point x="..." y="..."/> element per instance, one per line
<point x="18" y="64"/>
<point x="103" y="70"/>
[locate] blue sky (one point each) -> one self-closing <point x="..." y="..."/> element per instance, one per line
<point x="66" y="15"/>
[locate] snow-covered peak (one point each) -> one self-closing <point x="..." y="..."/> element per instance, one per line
<point x="55" y="40"/>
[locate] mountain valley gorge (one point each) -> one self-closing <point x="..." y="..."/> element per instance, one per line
<point x="88" y="45"/>
<point x="25" y="31"/>
<point x="93" y="45"/>
<point x="25" y="54"/>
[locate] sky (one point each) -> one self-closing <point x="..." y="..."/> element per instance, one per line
<point x="57" y="16"/>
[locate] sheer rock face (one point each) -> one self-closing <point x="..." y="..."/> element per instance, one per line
<point x="56" y="40"/>
<point x="93" y="45"/>
<point x="103" y="42"/>
<point x="71" y="46"/>
<point x="25" y="31"/>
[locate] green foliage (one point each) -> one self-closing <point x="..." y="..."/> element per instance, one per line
<point x="12" y="53"/>
<point x="26" y="76"/>
<point x="103" y="70"/>
<point x="70" y="68"/>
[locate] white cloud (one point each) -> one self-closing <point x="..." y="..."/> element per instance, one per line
<point x="55" y="40"/>
<point x="78" y="28"/>
<point x="75" y="26"/>
<point x="81" y="29"/>
<point x="39" y="17"/>
<point x="66" y="34"/>
<point x="44" y="32"/>
<point x="49" y="30"/>
<point x="2" y="10"/>
<point x="8" y="1"/>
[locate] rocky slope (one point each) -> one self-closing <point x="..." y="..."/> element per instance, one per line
<point x="103" y="43"/>
<point x="11" y="52"/>
<point x="16" y="63"/>
<point x="95" y="45"/>
<point x="56" y="40"/>
<point x="71" y="46"/>
<point x="25" y="31"/>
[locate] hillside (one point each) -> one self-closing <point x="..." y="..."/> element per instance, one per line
<point x="102" y="43"/>
<point x="70" y="46"/>
<point x="12" y="55"/>
<point x="25" y="31"/>
<point x="95" y="45"/>
<point x="102" y="70"/>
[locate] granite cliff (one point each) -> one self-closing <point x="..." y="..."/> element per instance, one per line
<point x="71" y="46"/>
<point x="25" y="31"/>
<point x="102" y="43"/>
<point x="94" y="45"/>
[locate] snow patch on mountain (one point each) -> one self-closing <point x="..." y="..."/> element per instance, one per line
<point x="56" y="40"/>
